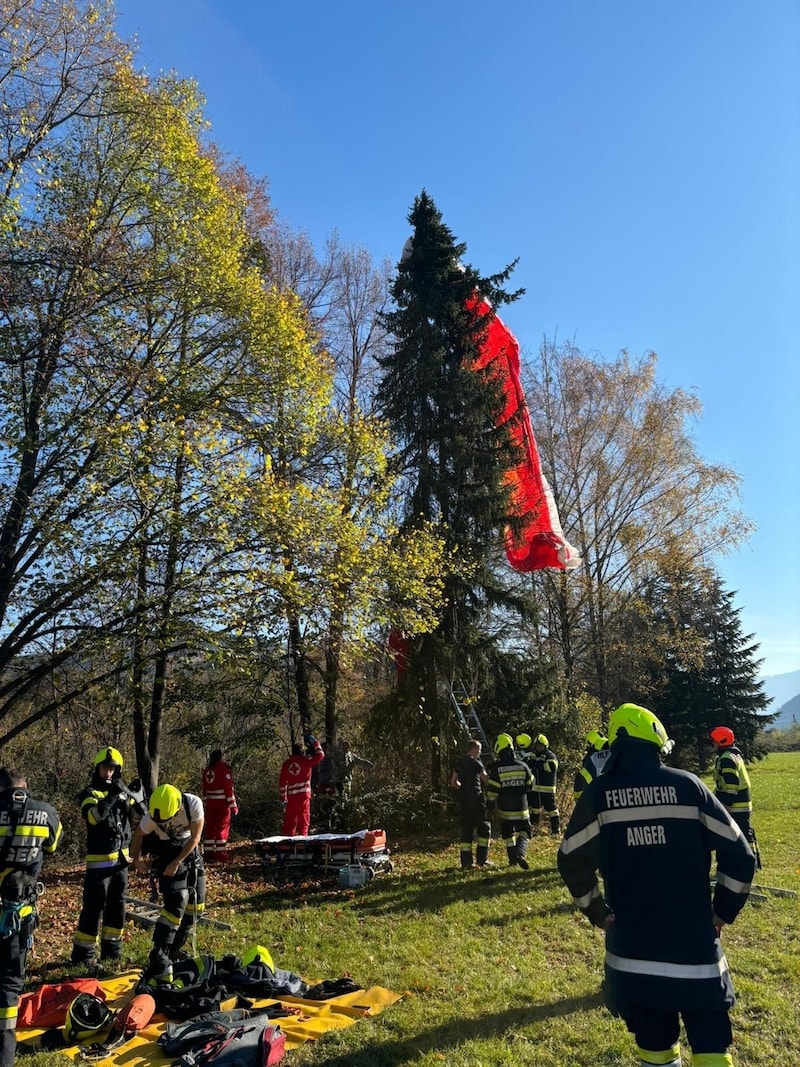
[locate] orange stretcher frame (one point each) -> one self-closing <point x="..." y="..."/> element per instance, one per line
<point x="326" y="852"/>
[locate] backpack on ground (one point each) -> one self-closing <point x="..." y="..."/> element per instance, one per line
<point x="180" y="1037"/>
<point x="245" y="1040"/>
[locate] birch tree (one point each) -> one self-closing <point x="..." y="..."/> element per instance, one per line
<point x="633" y="493"/>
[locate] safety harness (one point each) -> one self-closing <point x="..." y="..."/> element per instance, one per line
<point x="12" y="912"/>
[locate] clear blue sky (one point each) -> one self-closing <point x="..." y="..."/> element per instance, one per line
<point x="642" y="160"/>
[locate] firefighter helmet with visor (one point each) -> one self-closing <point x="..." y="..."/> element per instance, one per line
<point x="164" y="802"/>
<point x="596" y="740"/>
<point x="109" y="755"/>
<point x="631" y="720"/>
<point x="87" y="1017"/>
<point x="503" y="742"/>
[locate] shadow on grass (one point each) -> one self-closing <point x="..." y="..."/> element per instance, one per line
<point x="390" y="894"/>
<point x="423" y="886"/>
<point x="460" y="1031"/>
<point x="431" y="893"/>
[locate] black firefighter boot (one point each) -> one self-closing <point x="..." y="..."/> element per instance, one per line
<point x="159" y="966"/>
<point x="522" y="851"/>
<point x="555" y="824"/>
<point x="84" y="956"/>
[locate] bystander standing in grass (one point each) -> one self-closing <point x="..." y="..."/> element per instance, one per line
<point x="468" y="780"/>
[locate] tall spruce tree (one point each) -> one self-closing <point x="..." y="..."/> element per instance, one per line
<point x="709" y="671"/>
<point x="451" y="451"/>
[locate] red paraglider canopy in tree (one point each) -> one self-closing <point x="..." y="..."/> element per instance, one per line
<point x="539" y="541"/>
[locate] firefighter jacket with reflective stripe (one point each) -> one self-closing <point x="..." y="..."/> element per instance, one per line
<point x="22" y="846"/>
<point x="593" y="765"/>
<point x="731" y="780"/>
<point x="107" y="815"/>
<point x="544" y="768"/>
<point x="650" y="831"/>
<point x="509" y="783"/>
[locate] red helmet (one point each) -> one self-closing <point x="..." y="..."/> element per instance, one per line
<point x="723" y="736"/>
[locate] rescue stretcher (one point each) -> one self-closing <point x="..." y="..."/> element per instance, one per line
<point x="326" y="853"/>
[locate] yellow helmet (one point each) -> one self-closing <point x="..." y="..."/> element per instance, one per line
<point x="164" y="802"/>
<point x="542" y="740"/>
<point x="503" y="741"/>
<point x="596" y="740"/>
<point x="630" y="720"/>
<point x="258" y="954"/>
<point x="523" y="740"/>
<point x="109" y="755"/>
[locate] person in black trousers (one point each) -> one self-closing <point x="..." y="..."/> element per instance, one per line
<point x="468" y="780"/>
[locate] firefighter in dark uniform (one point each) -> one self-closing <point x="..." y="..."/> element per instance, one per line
<point x="508" y="785"/>
<point x="174" y="823"/>
<point x="29" y="828"/>
<point x="651" y="830"/>
<point x="107" y="808"/>
<point x="468" y="780"/>
<point x="731" y="780"/>
<point x="593" y="763"/>
<point x="544" y="767"/>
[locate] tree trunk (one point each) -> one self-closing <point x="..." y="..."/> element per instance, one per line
<point x="431" y="693"/>
<point x="300" y="671"/>
<point x="332" y="673"/>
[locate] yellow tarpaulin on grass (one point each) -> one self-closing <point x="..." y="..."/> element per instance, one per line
<point x="316" y="1018"/>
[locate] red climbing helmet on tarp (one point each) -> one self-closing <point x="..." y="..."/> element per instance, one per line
<point x="135" y="1015"/>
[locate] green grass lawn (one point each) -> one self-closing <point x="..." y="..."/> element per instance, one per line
<point x="497" y="968"/>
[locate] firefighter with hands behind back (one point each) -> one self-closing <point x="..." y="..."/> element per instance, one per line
<point x="507" y="788"/>
<point x="29" y="828"/>
<point x="174" y="827"/>
<point x="107" y="809"/>
<point x="650" y="831"/>
<point x="731" y="780"/>
<point x="732" y="784"/>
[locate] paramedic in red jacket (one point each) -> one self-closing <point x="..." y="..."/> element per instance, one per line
<point x="219" y="801"/>
<point x="294" y="786"/>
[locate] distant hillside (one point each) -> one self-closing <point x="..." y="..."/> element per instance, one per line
<point x="781" y="688"/>
<point x="789" y="713"/>
<point x="784" y="691"/>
